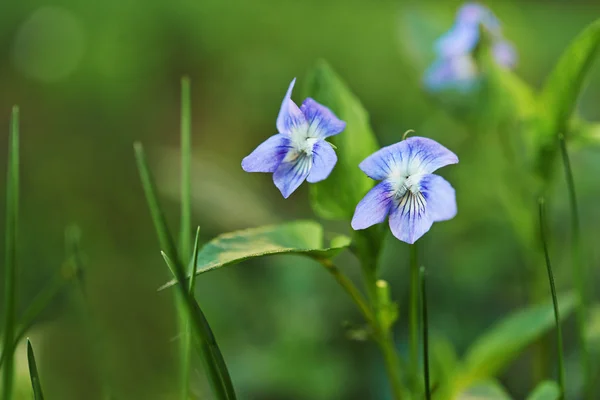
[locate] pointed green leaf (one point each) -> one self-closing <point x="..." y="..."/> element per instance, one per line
<point x="298" y="237"/>
<point x="33" y="373"/>
<point x="504" y="341"/>
<point x="489" y="390"/>
<point x="337" y="196"/>
<point x="561" y="91"/>
<point x="547" y="390"/>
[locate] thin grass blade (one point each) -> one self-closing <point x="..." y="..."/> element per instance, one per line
<point x="10" y="264"/>
<point x="185" y="236"/>
<point x="33" y="373"/>
<point x="209" y="350"/>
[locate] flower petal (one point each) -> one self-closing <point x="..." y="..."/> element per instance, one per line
<point x="473" y="14"/>
<point x="460" y="40"/>
<point x="409" y="219"/>
<point x="415" y="155"/>
<point x="374" y="207"/>
<point x="457" y="72"/>
<point x="323" y="161"/>
<point x="290" y="174"/>
<point x="321" y="120"/>
<point x="268" y="155"/>
<point x="440" y="197"/>
<point x="290" y="117"/>
<point x="505" y="54"/>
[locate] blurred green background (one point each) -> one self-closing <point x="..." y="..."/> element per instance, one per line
<point x="92" y="77"/>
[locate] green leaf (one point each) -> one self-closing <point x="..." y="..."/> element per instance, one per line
<point x="185" y="236"/>
<point x="298" y="237"/>
<point x="561" y="91"/>
<point x="33" y="373"/>
<point x="206" y="343"/>
<point x="547" y="390"/>
<point x="504" y="341"/>
<point x="488" y="390"/>
<point x="10" y="255"/>
<point x="337" y="196"/>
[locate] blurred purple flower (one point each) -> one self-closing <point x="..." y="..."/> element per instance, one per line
<point x="409" y="193"/>
<point x="299" y="151"/>
<point x="455" y="67"/>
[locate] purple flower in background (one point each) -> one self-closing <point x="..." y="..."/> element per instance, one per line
<point x="409" y="193"/>
<point x="299" y="151"/>
<point x="455" y="66"/>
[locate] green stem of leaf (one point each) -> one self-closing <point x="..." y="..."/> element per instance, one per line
<point x="10" y="265"/>
<point x="559" y="345"/>
<point x="578" y="268"/>
<point x="425" y="334"/>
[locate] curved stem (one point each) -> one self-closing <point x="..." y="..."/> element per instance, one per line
<point x="578" y="268"/>
<point x="559" y="345"/>
<point x="350" y="289"/>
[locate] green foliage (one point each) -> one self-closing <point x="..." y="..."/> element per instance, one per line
<point x="504" y="341"/>
<point x="33" y="373"/>
<point x="10" y="254"/>
<point x="488" y="390"/>
<point x="561" y="92"/>
<point x="547" y="390"/>
<point x="299" y="237"/>
<point x="337" y="196"/>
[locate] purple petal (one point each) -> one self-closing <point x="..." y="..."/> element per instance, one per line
<point x="409" y="219"/>
<point x="473" y="14"/>
<point x="268" y="155"/>
<point x="458" y="41"/>
<point x="457" y="72"/>
<point x="374" y="207"/>
<point x="505" y="54"/>
<point x="322" y="121"/>
<point x="323" y="161"/>
<point x="415" y="155"/>
<point x="290" y="174"/>
<point x="290" y="117"/>
<point x="440" y="197"/>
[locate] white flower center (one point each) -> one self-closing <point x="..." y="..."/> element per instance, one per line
<point x="407" y="191"/>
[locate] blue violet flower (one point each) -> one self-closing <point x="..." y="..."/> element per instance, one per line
<point x="408" y="193"/>
<point x="455" y="66"/>
<point x="299" y="151"/>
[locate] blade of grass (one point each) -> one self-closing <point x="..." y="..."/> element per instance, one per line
<point x="33" y="373"/>
<point x="10" y="264"/>
<point x="185" y="236"/>
<point x="185" y="226"/>
<point x="187" y="339"/>
<point x="209" y="350"/>
<point x="559" y="344"/>
<point x="579" y="272"/>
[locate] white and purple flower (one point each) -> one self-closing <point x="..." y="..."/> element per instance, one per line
<point x="299" y="151"/>
<point x="455" y="66"/>
<point x="408" y="193"/>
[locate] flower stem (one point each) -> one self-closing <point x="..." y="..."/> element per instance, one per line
<point x="350" y="289"/>
<point x="578" y="268"/>
<point x="392" y="364"/>
<point x="425" y="335"/>
<point x="559" y="345"/>
<point x="414" y="311"/>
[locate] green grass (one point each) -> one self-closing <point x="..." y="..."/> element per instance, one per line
<point x="10" y="265"/>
